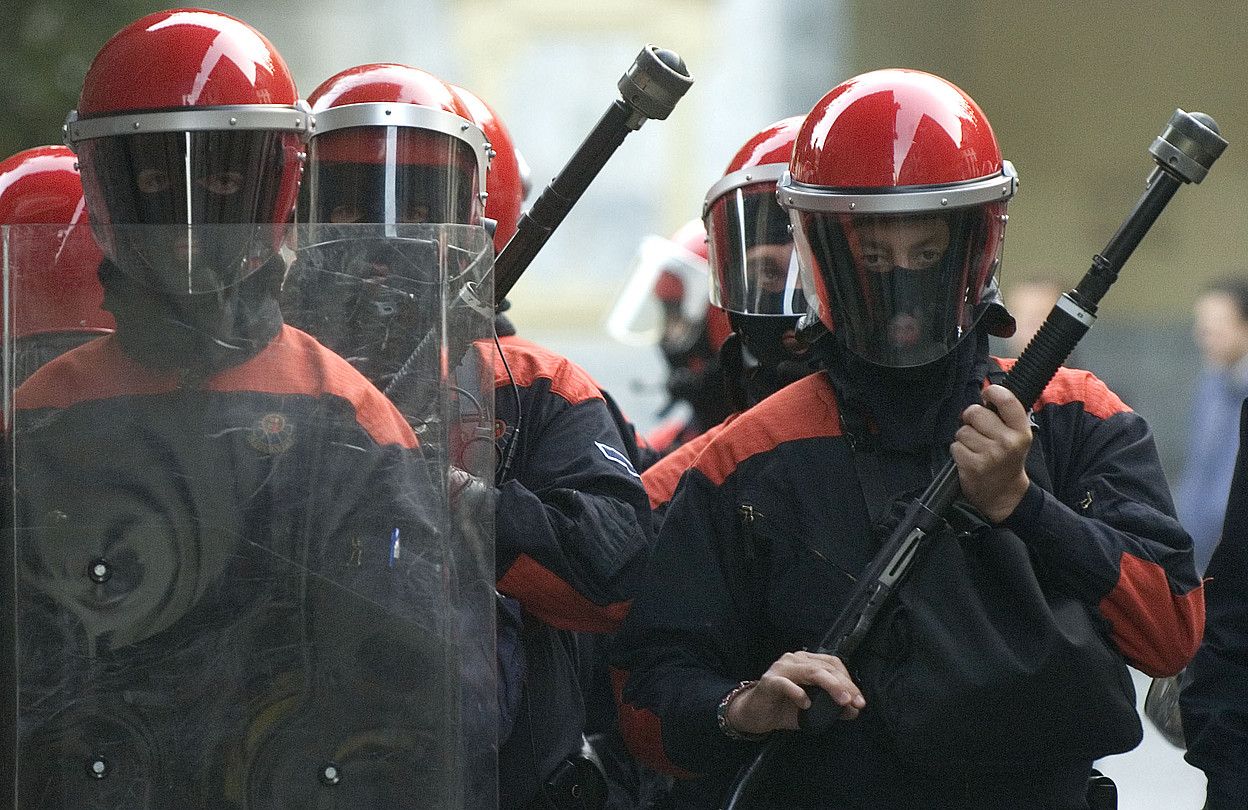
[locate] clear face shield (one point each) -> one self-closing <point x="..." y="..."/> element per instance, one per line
<point x="255" y="590"/>
<point x="231" y="190"/>
<point x="902" y="289"/>
<point x="665" y="298"/>
<point x="754" y="269"/>
<point x="372" y="293"/>
<point x="391" y="175"/>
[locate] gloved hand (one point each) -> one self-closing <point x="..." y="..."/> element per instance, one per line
<point x="466" y="489"/>
<point x="472" y="515"/>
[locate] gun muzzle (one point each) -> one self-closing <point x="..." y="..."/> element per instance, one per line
<point x="1188" y="146"/>
<point x="653" y="84"/>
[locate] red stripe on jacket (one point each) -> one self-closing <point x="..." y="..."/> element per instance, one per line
<point x="556" y="602"/>
<point x="1076" y="385"/>
<point x="806" y="409"/>
<point x="292" y="363"/>
<point x="662" y="478"/>
<point x="1159" y="638"/>
<point x="530" y="362"/>
<point x="643" y="731"/>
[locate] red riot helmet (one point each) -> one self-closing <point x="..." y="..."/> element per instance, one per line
<point x="753" y="269"/>
<point x="393" y="144"/>
<point x="670" y="272"/>
<point x="509" y="173"/>
<point x="897" y="194"/>
<point x="56" y="291"/>
<point x="189" y="117"/>
<point x="666" y="301"/>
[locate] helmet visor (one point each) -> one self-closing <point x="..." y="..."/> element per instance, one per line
<point x="753" y="269"/>
<point x="666" y="293"/>
<point x="901" y="290"/>
<point x="215" y="181"/>
<point x="391" y="175"/>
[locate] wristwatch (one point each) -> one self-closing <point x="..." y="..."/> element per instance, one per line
<point x="721" y="714"/>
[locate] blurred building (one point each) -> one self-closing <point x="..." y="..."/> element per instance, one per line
<point x="1075" y="91"/>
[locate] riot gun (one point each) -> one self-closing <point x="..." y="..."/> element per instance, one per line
<point x="649" y="89"/>
<point x="1184" y="152"/>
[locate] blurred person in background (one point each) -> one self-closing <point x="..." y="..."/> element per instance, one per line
<point x="670" y="274"/>
<point x="56" y="292"/>
<point x="1214" y="698"/>
<point x="1221" y="335"/>
<point x="572" y="527"/>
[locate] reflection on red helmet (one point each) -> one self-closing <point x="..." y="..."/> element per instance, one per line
<point x="508" y="180"/>
<point x="892" y="128"/>
<point x="185" y="58"/>
<point x="53" y="270"/>
<point x="769" y="146"/>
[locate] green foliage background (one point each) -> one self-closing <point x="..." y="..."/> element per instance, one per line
<point x="45" y="49"/>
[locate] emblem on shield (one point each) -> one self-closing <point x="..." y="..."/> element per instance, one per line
<point x="272" y="433"/>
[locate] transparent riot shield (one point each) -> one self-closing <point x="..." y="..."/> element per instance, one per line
<point x="238" y="577"/>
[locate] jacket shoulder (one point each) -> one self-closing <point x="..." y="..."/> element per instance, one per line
<point x="95" y="370"/>
<point x="807" y="409"/>
<point x="1073" y="385"/>
<point x="526" y="363"/>
<point x="661" y="479"/>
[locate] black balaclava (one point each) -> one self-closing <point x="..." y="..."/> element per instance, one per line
<point x="198" y="334"/>
<point x="768" y="339"/>
<point x="696" y="375"/>
<point x="909" y="409"/>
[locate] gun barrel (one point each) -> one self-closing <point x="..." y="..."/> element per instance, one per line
<point x="651" y="86"/>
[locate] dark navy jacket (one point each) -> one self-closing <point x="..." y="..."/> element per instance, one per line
<point x="768" y="528"/>
<point x="269" y="578"/>
<point x="1214" y="700"/>
<point x="572" y="536"/>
